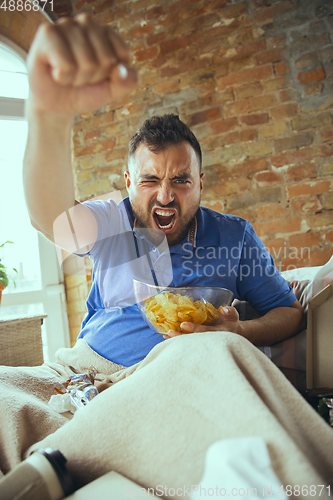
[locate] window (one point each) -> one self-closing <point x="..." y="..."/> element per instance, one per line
<point x="39" y="286"/>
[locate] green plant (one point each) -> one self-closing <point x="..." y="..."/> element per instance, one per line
<point x="4" y="278"/>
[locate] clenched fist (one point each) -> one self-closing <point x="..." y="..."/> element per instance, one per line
<point x="77" y="66"/>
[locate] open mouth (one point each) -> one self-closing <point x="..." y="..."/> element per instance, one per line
<point x="164" y="219"/>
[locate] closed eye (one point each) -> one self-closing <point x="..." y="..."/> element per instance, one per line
<point x="181" y="181"/>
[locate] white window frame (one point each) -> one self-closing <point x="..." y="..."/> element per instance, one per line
<point x="52" y="294"/>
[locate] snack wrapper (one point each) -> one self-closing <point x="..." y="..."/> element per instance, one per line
<point x="75" y="393"/>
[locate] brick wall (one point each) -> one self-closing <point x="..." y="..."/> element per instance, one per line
<point x="20" y="27"/>
<point x="253" y="79"/>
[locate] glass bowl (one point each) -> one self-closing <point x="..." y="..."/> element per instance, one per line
<point x="160" y="318"/>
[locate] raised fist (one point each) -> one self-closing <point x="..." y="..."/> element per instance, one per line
<point x="77" y="66"/>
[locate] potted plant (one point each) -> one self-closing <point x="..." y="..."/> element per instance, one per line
<point x="4" y="278"/>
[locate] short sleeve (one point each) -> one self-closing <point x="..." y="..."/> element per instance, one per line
<point x="108" y="218"/>
<point x="259" y="281"/>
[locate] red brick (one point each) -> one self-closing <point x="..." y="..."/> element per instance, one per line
<point x="185" y="67"/>
<point x="227" y="187"/>
<point x="288" y="95"/>
<point x="93" y="134"/>
<point x="305" y="240"/>
<point x="165" y="86"/>
<point x="303" y="122"/>
<point x="270" y="56"/>
<point x="305" y="188"/>
<point x="249" y="167"/>
<point x="136" y="48"/>
<point x="329" y="236"/>
<point x="326" y="55"/>
<point x="307" y="60"/>
<point x="249" y="90"/>
<point x="222" y="126"/>
<point x="271" y="212"/>
<point x="175" y="44"/>
<point x="293" y="142"/>
<point x="276" y="247"/>
<point x="217" y="206"/>
<point x="234" y="11"/>
<point x="138" y="5"/>
<point x="276" y="83"/>
<point x="326" y="133"/>
<point x="226" y="96"/>
<point x="195" y="24"/>
<point x="275" y="42"/>
<point x="306" y="259"/>
<point x="177" y="6"/>
<point x="292" y="158"/>
<point x="311" y="42"/>
<point x="248" y="135"/>
<point x="244" y="213"/>
<point x="250" y="105"/>
<point x="240" y="51"/>
<point x="300" y="172"/>
<point x="236" y="65"/>
<point x="159" y="62"/>
<point x="283" y="226"/>
<point x="17" y="26"/>
<point x="94" y="148"/>
<point x="284" y="111"/>
<point x="266" y="178"/>
<point x="226" y="139"/>
<point x="321" y="257"/>
<point x="116" y="154"/>
<point x="104" y="6"/>
<point x="168" y="20"/>
<point x="141" y="30"/>
<point x="281" y="68"/>
<point x="313" y="75"/>
<point x="269" y="13"/>
<point x="257" y="119"/>
<point x="155" y="12"/>
<point x="202" y="37"/>
<point x="203" y="116"/>
<point x="325" y="151"/>
<point x="145" y="55"/>
<point x="156" y="38"/>
<point x="317" y="221"/>
<point x="305" y="205"/>
<point x="248" y="75"/>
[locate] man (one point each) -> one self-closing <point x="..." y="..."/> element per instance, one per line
<point x="87" y="67"/>
<point x="74" y="67"/>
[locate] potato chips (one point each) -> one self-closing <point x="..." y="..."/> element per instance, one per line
<point x="166" y="311"/>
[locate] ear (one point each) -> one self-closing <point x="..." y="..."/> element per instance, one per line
<point x="127" y="179"/>
<point x="202" y="175"/>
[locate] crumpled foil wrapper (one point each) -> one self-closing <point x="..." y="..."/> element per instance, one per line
<point x="75" y="393"/>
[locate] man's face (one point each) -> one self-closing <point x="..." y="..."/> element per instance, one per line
<point x="165" y="189"/>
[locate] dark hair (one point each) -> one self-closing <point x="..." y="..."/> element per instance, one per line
<point x="160" y="132"/>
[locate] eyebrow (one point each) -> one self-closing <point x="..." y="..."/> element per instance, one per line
<point x="176" y="177"/>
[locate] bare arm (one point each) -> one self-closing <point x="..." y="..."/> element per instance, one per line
<point x="74" y="66"/>
<point x="276" y="325"/>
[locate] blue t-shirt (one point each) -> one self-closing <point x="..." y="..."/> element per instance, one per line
<point x="219" y="251"/>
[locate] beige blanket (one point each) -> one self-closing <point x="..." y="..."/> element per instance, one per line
<point x="155" y="423"/>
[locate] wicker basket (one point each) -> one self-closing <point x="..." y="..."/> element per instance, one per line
<point x="21" y="342"/>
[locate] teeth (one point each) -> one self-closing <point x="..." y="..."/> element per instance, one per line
<point x="165" y="227"/>
<point x="165" y="214"/>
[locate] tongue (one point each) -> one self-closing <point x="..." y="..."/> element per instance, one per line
<point x="164" y="220"/>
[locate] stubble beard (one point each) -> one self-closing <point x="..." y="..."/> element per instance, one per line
<point x="143" y="221"/>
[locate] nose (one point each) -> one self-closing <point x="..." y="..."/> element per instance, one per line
<point x="165" y="193"/>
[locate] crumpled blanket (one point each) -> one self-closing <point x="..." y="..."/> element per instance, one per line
<point x="159" y="417"/>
